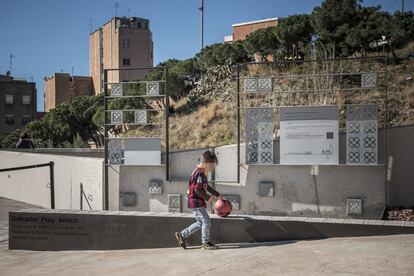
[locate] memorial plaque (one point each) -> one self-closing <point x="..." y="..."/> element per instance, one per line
<point x="309" y="135"/>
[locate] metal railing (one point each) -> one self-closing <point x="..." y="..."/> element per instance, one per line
<point x="83" y="195"/>
<point x="51" y="165"/>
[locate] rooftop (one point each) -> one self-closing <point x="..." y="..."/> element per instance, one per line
<point x="255" y="21"/>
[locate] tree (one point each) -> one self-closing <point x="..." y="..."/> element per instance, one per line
<point x="294" y="33"/>
<point x="263" y="42"/>
<point x="369" y="28"/>
<point x="400" y="30"/>
<point x="220" y="54"/>
<point x="332" y="21"/>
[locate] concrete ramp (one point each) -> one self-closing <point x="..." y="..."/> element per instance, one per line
<point x="45" y="229"/>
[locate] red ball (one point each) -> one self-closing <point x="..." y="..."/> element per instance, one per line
<point x="222" y="207"/>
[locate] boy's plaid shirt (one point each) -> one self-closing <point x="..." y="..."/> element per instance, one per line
<point x="198" y="180"/>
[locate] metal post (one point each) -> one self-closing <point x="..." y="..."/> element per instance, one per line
<point x="52" y="185"/>
<point x="238" y="123"/>
<point x="81" y="196"/>
<point x="167" y="133"/>
<point x="106" y="198"/>
<point x="386" y="130"/>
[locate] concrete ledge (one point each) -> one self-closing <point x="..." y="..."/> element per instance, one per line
<point x="45" y="229"/>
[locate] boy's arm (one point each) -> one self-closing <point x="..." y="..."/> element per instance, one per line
<point x="212" y="191"/>
<point x="202" y="193"/>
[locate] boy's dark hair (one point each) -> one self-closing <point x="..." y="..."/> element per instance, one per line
<point x="209" y="157"/>
<point x="24" y="135"/>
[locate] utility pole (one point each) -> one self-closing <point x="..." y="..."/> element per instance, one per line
<point x="202" y="24"/>
<point x="11" y="62"/>
<point x="402" y="6"/>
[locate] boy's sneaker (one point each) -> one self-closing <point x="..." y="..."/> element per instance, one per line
<point x="181" y="240"/>
<point x="209" y="246"/>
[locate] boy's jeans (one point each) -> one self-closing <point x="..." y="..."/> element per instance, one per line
<point x="203" y="222"/>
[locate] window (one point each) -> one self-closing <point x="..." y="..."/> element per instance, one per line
<point x="9" y="119"/>
<point x="26" y="119"/>
<point x="26" y="99"/>
<point x="125" y="43"/>
<point x="9" y="99"/>
<point x="126" y="62"/>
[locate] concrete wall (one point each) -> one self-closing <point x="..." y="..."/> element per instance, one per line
<point x="295" y="192"/>
<point x="32" y="186"/>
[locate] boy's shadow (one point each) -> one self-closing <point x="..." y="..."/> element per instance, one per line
<point x="246" y="245"/>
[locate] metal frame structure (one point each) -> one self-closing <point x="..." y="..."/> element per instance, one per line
<point x="108" y="123"/>
<point x="242" y="95"/>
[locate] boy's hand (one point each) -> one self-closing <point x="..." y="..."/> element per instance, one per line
<point x="211" y="199"/>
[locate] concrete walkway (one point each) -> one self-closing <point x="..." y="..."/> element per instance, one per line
<point x="385" y="255"/>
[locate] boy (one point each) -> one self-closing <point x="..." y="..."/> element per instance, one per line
<point x="197" y="198"/>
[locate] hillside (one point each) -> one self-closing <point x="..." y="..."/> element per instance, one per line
<point x="207" y="116"/>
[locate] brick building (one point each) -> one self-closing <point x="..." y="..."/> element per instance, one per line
<point x="242" y="30"/>
<point x="18" y="103"/>
<point x="63" y="87"/>
<point x="120" y="43"/>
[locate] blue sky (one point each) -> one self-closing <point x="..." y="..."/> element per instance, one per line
<point x="48" y="36"/>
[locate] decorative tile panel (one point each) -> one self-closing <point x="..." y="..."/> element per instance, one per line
<point x="353" y="206"/>
<point x="140" y="116"/>
<point x="369" y="80"/>
<point x="267" y="189"/>
<point x="116" y="89"/>
<point x="116" y="117"/>
<point x="129" y="199"/>
<point x="114" y="151"/>
<point x="362" y="134"/>
<point x="259" y="135"/>
<point x="153" y="88"/>
<point x="265" y="84"/>
<point x="250" y="85"/>
<point x="174" y="203"/>
<point x="155" y="187"/>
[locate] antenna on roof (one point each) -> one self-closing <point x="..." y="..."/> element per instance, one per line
<point x="90" y="25"/>
<point x="116" y="8"/>
<point x="11" y="56"/>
